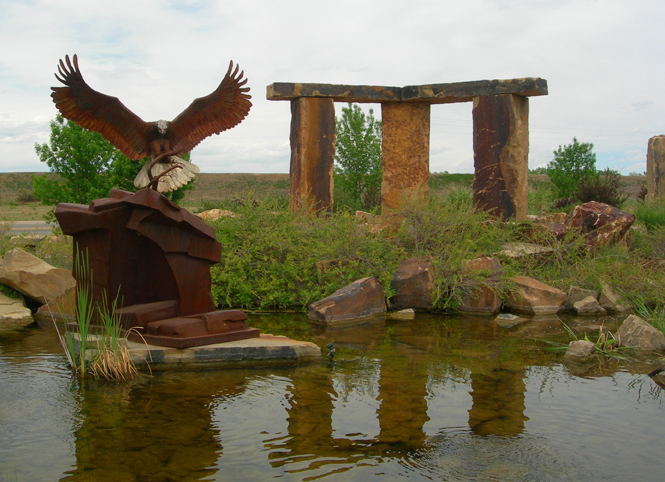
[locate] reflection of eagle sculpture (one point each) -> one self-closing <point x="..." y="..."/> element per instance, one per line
<point x="161" y="142"/>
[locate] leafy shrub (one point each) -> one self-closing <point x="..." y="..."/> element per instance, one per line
<point x="603" y="188"/>
<point x="570" y="165"/>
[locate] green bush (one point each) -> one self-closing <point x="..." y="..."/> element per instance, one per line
<point x="571" y="164"/>
<point x="602" y="187"/>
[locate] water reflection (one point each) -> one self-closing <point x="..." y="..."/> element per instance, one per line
<point x="436" y="398"/>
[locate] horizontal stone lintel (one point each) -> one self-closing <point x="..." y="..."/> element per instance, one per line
<point x="433" y="93"/>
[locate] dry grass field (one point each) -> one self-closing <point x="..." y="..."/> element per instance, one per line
<point x="213" y="189"/>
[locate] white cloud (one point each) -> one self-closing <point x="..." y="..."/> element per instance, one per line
<point x="600" y="60"/>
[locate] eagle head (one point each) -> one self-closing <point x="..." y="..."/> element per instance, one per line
<point x="162" y="126"/>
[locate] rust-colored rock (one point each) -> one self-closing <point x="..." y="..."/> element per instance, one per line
<point x="312" y="153"/>
<point x="656" y="168"/>
<point x="533" y="297"/>
<point x="362" y="298"/>
<point x="405" y="154"/>
<point x="413" y="283"/>
<point x="482" y="297"/>
<point x="601" y="223"/>
<point x="501" y="155"/>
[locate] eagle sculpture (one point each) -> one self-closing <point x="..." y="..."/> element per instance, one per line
<point x="161" y="142"/>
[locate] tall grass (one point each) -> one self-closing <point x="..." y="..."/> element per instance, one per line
<point x="651" y="214"/>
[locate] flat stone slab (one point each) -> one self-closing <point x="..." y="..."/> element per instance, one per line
<point x="267" y="350"/>
<point x="431" y="93"/>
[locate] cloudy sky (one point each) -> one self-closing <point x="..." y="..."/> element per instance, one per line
<point x="604" y="61"/>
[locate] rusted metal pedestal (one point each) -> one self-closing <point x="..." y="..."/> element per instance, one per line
<point x="154" y="258"/>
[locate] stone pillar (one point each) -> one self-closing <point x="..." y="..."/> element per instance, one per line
<point x="405" y="154"/>
<point x="501" y="155"/>
<point x="312" y="153"/>
<point x="656" y="168"/>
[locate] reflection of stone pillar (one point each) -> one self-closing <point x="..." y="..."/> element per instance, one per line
<point x="498" y="402"/>
<point x="403" y="395"/>
<point x="310" y="414"/>
<point x="501" y="155"/>
<point x="312" y="152"/>
<point x="656" y="167"/>
<point x="405" y="153"/>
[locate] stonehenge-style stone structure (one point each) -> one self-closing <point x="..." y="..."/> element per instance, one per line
<point x="655" y="168"/>
<point x="500" y="139"/>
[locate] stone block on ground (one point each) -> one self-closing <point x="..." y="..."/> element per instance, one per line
<point x="33" y="277"/>
<point x="609" y="300"/>
<point x="13" y="311"/>
<point x="601" y="223"/>
<point x="655" y="168"/>
<point x="588" y="306"/>
<point x="638" y="334"/>
<point x="530" y="296"/>
<point x="518" y="250"/>
<point x="482" y="297"/>
<point x="362" y="298"/>
<point x="575" y="294"/>
<point x="413" y="283"/>
<point x="580" y="350"/>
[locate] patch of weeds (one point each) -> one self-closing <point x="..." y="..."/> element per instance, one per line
<point x="654" y="314"/>
<point x="651" y="214"/>
<point x="606" y="344"/>
<point x="9" y="292"/>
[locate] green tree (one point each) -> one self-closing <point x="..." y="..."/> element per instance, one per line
<point x="358" y="156"/>
<point x="571" y="164"/>
<point x="88" y="166"/>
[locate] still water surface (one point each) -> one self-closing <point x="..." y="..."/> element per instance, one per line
<point x="438" y="398"/>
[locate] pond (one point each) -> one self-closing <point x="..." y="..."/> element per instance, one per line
<point x="437" y="398"/>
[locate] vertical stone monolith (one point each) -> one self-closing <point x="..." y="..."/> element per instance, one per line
<point x="405" y="154"/>
<point x="312" y="153"/>
<point x="655" y="168"/>
<point x="501" y="155"/>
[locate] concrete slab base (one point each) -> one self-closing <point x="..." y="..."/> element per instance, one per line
<point x="267" y="350"/>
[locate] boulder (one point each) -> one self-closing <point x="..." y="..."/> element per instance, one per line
<point x="518" y="250"/>
<point x="638" y="334"/>
<point x="535" y="298"/>
<point x="575" y="294"/>
<point x="580" y="350"/>
<point x="609" y="300"/>
<point x="588" y="307"/>
<point x="61" y="308"/>
<point x="364" y="297"/>
<point x="413" y="283"/>
<point x="601" y="223"/>
<point x="33" y="277"/>
<point x="212" y="214"/>
<point x="507" y="320"/>
<point x="13" y="311"/>
<point x="402" y="315"/>
<point x="478" y="296"/>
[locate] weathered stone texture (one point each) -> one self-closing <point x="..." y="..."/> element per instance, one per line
<point x="13" y="311"/>
<point x="312" y="153"/>
<point x="575" y="294"/>
<point x="405" y="154"/>
<point x="588" y="306"/>
<point x="601" y="223"/>
<point x="656" y="168"/>
<point x="413" y="283"/>
<point x="33" y="277"/>
<point x="364" y="297"/>
<point x="482" y="297"/>
<point x="637" y="333"/>
<point x="580" y="350"/>
<point x="501" y="155"/>
<point x="533" y="297"/>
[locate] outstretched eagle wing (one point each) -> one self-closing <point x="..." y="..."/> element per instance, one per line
<point x="226" y="107"/>
<point x="101" y="113"/>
